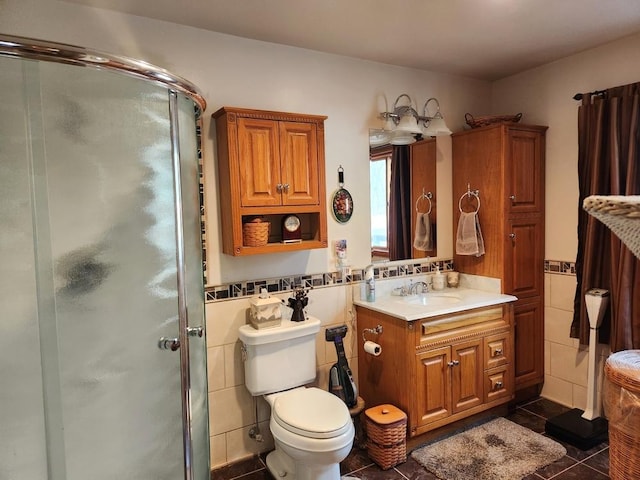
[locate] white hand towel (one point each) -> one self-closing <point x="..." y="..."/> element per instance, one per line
<point x="469" y="239"/>
<point x="423" y="238"/>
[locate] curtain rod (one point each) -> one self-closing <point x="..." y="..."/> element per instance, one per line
<point x="578" y="96"/>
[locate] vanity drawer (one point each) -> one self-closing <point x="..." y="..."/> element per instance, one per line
<point x="497" y="350"/>
<point x="497" y="384"/>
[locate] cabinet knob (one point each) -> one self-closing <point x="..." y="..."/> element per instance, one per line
<point x="498" y="385"/>
<point x="512" y="198"/>
<point x="497" y="352"/>
<point x="512" y="236"/>
<point x="279" y="187"/>
<point x="286" y="187"/>
<point x="453" y="363"/>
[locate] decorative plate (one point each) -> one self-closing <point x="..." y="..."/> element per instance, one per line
<point x="342" y="205"/>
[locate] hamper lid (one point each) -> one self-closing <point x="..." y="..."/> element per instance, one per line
<point x="385" y="414"/>
<point x="623" y="368"/>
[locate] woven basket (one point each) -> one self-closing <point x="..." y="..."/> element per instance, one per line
<point x="621" y="214"/>
<point x="483" y="121"/>
<point x="255" y="233"/>
<point x="386" y="435"/>
<point x="387" y="456"/>
<point x="622" y="407"/>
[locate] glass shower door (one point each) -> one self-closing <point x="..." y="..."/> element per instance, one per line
<point x="89" y="246"/>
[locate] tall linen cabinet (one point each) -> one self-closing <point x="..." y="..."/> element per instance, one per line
<point x="504" y="163"/>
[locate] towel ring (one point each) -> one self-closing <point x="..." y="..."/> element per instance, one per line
<point x="428" y="196"/>
<point x="470" y="193"/>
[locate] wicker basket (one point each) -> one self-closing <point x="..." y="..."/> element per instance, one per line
<point x="386" y="435"/>
<point x="255" y="233"/>
<point x="483" y="121"/>
<point x="622" y="407"/>
<point x="621" y="214"/>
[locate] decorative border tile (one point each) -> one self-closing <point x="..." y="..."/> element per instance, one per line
<point x="248" y="288"/>
<point x="559" y="267"/>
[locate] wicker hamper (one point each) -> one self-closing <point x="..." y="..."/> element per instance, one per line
<point x="386" y="435"/>
<point x="622" y="408"/>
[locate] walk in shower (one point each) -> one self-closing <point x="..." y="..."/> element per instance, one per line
<point x="102" y="352"/>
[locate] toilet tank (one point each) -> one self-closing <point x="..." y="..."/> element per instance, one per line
<point x="279" y="358"/>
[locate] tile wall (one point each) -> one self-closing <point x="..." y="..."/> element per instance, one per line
<point x="566" y="361"/>
<point x="233" y="410"/>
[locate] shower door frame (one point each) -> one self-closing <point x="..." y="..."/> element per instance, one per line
<point x="34" y="49"/>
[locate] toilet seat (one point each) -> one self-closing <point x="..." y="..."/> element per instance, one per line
<point x="312" y="413"/>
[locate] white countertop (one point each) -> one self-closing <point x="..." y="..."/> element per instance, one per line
<point x="441" y="302"/>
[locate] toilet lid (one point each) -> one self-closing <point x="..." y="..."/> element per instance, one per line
<point x="311" y="412"/>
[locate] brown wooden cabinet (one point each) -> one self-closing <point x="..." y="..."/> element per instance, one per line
<point x="505" y="163"/>
<point x="423" y="181"/>
<point x="441" y="369"/>
<point x="270" y="164"/>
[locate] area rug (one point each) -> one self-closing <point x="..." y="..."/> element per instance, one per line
<point x="499" y="449"/>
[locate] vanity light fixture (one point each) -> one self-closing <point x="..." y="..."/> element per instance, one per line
<point x="403" y="123"/>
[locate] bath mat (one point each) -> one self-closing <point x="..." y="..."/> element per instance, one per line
<point x="497" y="449"/>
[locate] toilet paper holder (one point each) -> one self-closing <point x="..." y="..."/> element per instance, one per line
<point x="377" y="330"/>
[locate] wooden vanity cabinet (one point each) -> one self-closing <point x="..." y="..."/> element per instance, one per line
<point x="441" y="369"/>
<point x="270" y="164"/>
<point x="505" y="163"/>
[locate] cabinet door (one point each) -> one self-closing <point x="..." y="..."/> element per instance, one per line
<point x="259" y="162"/>
<point x="299" y="163"/>
<point x="525" y="171"/>
<point x="529" y="342"/>
<point x="433" y="389"/>
<point x="467" y="375"/>
<point x="524" y="257"/>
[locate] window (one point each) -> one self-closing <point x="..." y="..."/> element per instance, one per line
<point x="380" y="175"/>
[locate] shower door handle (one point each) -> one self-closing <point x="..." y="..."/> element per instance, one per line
<point x="195" y="331"/>
<point x="165" y="343"/>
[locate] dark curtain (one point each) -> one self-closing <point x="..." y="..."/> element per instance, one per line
<point x="608" y="141"/>
<point x="399" y="235"/>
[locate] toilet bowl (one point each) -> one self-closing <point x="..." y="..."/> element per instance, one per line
<point x="312" y="431"/>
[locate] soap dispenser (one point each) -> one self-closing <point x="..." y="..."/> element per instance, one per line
<point x="438" y="281"/>
<point x="370" y="284"/>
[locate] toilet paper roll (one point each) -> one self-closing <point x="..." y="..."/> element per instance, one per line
<point x="372" y="348"/>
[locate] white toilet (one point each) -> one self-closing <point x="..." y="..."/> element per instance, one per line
<point x="312" y="428"/>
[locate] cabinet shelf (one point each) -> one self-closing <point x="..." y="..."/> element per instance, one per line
<point x="278" y="247"/>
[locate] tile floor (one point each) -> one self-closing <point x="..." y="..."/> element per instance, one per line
<point x="576" y="465"/>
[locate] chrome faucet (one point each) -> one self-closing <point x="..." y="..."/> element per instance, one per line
<point x="425" y="287"/>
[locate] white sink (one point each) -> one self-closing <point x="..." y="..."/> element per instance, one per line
<point x="432" y="299"/>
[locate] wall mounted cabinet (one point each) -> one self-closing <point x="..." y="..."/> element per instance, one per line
<point x="505" y="163"/>
<point x="270" y="164"/>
